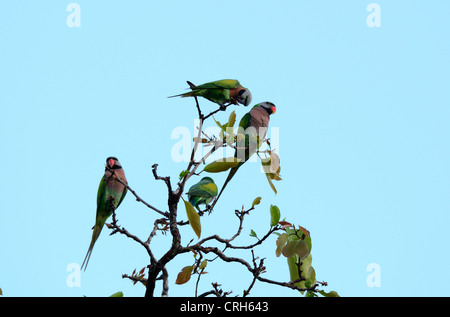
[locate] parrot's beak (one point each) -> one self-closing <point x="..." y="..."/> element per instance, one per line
<point x="274" y="109"/>
<point x="111" y="163"/>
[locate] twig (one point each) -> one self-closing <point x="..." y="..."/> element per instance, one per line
<point x="155" y="228"/>
<point x="200" y="115"/>
<point x="215" y="291"/>
<point x="117" y="229"/>
<point x="134" y="278"/>
<point x="165" y="179"/>
<point x="240" y="215"/>
<point x="258" y="270"/>
<point x="215" y="111"/>
<point x="165" y="214"/>
<point x="198" y="280"/>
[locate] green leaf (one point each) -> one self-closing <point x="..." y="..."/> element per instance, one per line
<point x="230" y="135"/>
<point x="118" y="294"/>
<point x="184" y="275"/>
<point x="270" y="183"/>
<point x="183" y="174"/>
<point x="221" y="165"/>
<point x="293" y="270"/>
<point x="203" y="264"/>
<point x="309" y="243"/>
<point x="274" y="215"/>
<point x="256" y="201"/>
<point x="218" y="123"/>
<point x="329" y="294"/>
<point x="301" y="249"/>
<point x="253" y="234"/>
<point x="193" y="217"/>
<point x="310" y="294"/>
<point x="306" y="263"/>
<point x="231" y="119"/>
<point x="311" y="276"/>
<point x="281" y="241"/>
<point x="230" y="124"/>
<point x="289" y="249"/>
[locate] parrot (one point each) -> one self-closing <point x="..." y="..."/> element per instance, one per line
<point x="109" y="196"/>
<point x="202" y="193"/>
<point x="253" y="126"/>
<point x="222" y="92"/>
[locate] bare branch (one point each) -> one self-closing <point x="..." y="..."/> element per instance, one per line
<point x="165" y="278"/>
<point x="220" y="109"/>
<point x="118" y="229"/>
<point x="165" y="179"/>
<point x="134" y="278"/>
<point x="165" y="214"/>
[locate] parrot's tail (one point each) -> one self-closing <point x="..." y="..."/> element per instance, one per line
<point x="95" y="235"/>
<point x="191" y="85"/>
<point x="186" y="94"/>
<point x="230" y="176"/>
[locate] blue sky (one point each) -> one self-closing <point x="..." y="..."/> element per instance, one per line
<point x="363" y="137"/>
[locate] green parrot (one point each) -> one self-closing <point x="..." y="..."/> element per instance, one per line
<point x="222" y="92"/>
<point x="202" y="193"/>
<point x="109" y="196"/>
<point x="251" y="132"/>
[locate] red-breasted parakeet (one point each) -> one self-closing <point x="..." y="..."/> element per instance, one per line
<point x="203" y="192"/>
<point x="251" y="132"/>
<point x="109" y="196"/>
<point x="222" y="92"/>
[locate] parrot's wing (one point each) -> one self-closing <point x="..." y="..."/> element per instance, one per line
<point x="224" y="83"/>
<point x="211" y="189"/>
<point x="101" y="190"/>
<point x="247" y="139"/>
<point x="242" y="141"/>
<point x="101" y="193"/>
<point x="245" y="121"/>
<point x="199" y="191"/>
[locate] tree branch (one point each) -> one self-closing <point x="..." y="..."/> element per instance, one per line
<point x="118" y="229"/>
<point x="157" y="268"/>
<point x="165" y="179"/>
<point x="165" y="214"/>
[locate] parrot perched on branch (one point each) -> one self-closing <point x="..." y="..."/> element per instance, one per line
<point x="109" y="196"/>
<point x="222" y="92"/>
<point x="251" y="132"/>
<point x="203" y="192"/>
